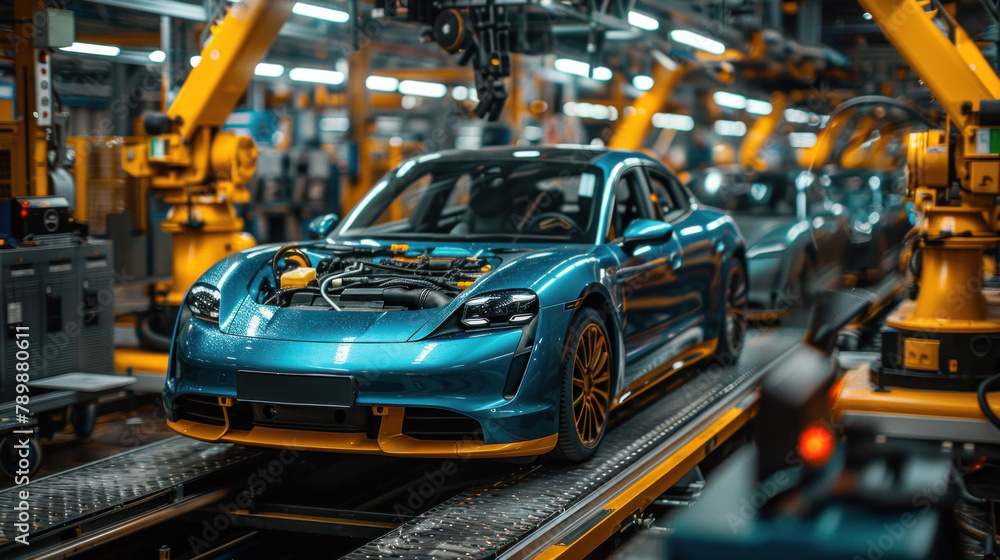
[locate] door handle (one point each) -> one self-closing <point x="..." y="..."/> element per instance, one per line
<point x="675" y="258"/>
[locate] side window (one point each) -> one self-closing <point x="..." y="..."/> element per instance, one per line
<point x="631" y="201"/>
<point x="668" y="195"/>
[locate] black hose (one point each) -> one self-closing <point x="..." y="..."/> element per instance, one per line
<point x="293" y="249"/>
<point x="882" y="100"/>
<point x="413" y="282"/>
<point x="427" y="298"/>
<point x="984" y="404"/>
<point x="416" y="271"/>
<point x="964" y="490"/>
<point x="289" y="291"/>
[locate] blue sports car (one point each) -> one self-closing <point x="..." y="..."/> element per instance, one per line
<point x="489" y="303"/>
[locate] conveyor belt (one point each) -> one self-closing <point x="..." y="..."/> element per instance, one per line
<point x="488" y="521"/>
<point x="114" y="484"/>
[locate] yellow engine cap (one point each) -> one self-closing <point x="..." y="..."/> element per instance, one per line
<point x="298" y="277"/>
<point x="399" y="247"/>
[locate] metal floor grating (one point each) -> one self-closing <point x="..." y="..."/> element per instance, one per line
<point x="483" y="522"/>
<point x="61" y="498"/>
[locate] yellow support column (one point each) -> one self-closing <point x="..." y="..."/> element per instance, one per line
<point x="359" y="65"/>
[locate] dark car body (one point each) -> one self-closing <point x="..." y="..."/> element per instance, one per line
<point x="873" y="202"/>
<point x="797" y="241"/>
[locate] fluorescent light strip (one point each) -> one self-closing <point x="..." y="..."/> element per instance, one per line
<point x="729" y="100"/>
<point x="802" y="139"/>
<point x="335" y="124"/>
<point x="91" y="48"/>
<point x="423" y="89"/>
<point x="316" y="75"/>
<point x="381" y="83"/>
<point x="642" y="82"/>
<point x="582" y="69"/>
<point x="320" y="12"/>
<point x="590" y="111"/>
<point x="758" y="107"/>
<point x="269" y="70"/>
<point x="157" y="56"/>
<point x="730" y="128"/>
<point x="700" y="42"/>
<point x="672" y="121"/>
<point x="642" y="21"/>
<point x="195" y="61"/>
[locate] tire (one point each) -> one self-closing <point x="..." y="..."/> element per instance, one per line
<point x="733" y="328"/>
<point x="804" y="285"/>
<point x="585" y="401"/>
<point x="83" y="419"/>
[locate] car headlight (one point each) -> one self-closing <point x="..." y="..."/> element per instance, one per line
<point x="504" y="307"/>
<point x="203" y="301"/>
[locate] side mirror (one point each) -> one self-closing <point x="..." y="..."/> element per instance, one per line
<point x="322" y="226"/>
<point x="650" y="232"/>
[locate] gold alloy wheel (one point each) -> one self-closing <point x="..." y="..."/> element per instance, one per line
<point x="591" y="384"/>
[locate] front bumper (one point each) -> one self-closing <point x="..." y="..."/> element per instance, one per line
<point x="389" y="441"/>
<point x="465" y="373"/>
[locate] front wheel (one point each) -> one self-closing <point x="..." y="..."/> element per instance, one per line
<point x="586" y="388"/>
<point x="734" y="324"/>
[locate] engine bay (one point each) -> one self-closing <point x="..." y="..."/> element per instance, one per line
<point x="376" y="279"/>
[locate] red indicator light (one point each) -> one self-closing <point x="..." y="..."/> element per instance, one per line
<point x="24" y="214"/>
<point x="43" y="57"/>
<point x="816" y="444"/>
<point x="24" y="204"/>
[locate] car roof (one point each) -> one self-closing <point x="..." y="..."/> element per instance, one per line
<point x="558" y="153"/>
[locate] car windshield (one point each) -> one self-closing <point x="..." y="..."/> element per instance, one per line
<point x="503" y="199"/>
<point x="744" y="194"/>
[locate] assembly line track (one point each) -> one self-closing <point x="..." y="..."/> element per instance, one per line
<point x="90" y="498"/>
<point x="547" y="510"/>
<point x="506" y="516"/>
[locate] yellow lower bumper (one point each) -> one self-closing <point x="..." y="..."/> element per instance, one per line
<point x="390" y="441"/>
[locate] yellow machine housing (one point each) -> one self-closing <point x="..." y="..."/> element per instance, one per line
<point x="939" y="347"/>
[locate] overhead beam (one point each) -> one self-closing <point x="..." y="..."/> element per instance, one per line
<point x="170" y="8"/>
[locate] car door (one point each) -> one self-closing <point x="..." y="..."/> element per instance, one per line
<point x="827" y="222"/>
<point x="645" y="276"/>
<point x="696" y="275"/>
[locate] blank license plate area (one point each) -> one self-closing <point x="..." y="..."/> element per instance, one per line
<point x="285" y="388"/>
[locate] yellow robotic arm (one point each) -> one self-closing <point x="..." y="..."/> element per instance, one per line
<point x="760" y="131"/>
<point x="198" y="169"/>
<point x="935" y="341"/>
<point x="631" y="133"/>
